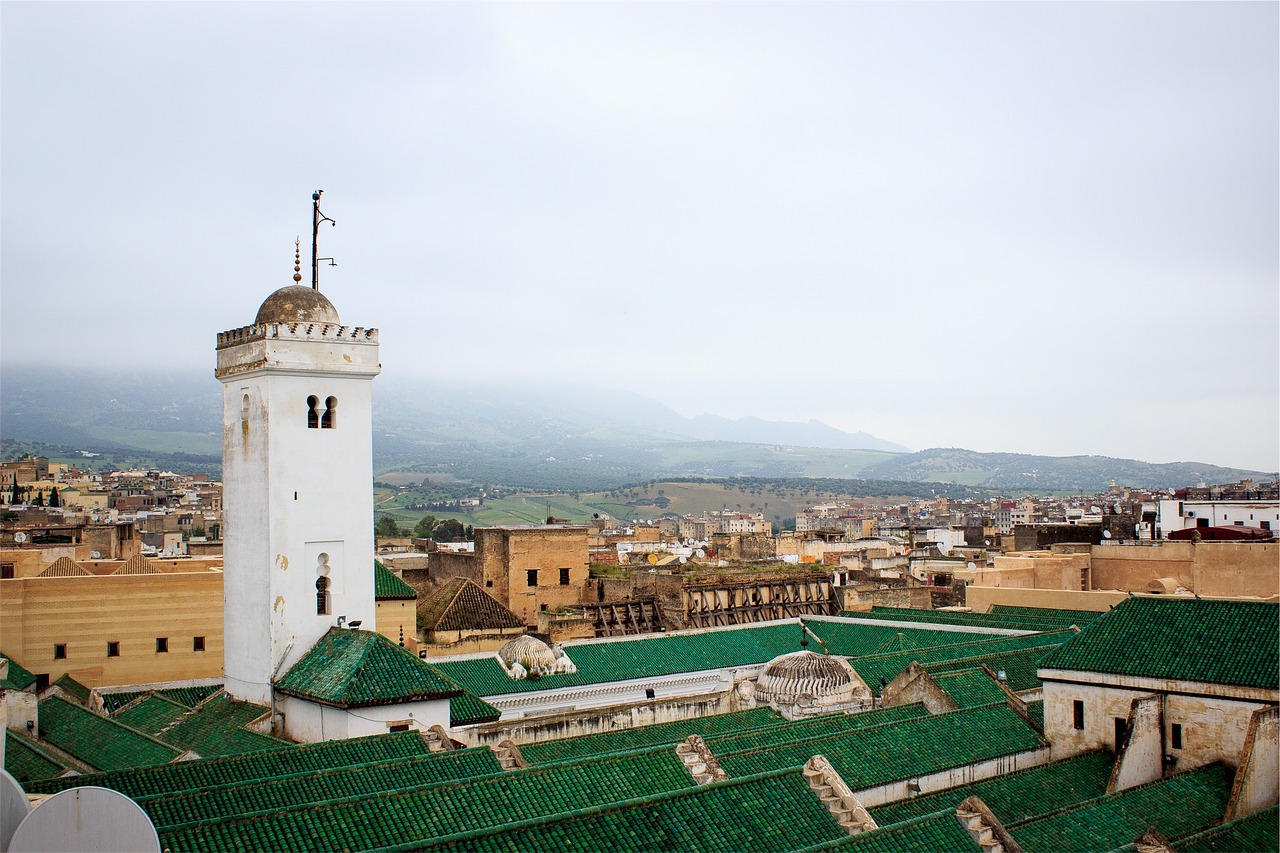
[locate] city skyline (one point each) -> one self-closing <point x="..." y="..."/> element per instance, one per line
<point x="1035" y="228"/>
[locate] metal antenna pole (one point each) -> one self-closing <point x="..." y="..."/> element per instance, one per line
<point x="316" y="218"/>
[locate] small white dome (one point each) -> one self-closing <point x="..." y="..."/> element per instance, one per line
<point x="822" y="679"/>
<point x="527" y="651"/>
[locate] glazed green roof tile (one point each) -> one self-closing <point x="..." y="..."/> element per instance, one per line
<point x="243" y="769"/>
<point x="949" y="617"/>
<point x="73" y="688"/>
<point x="217" y="727"/>
<point x="1014" y="796"/>
<point x="188" y="696"/>
<point x="1035" y="710"/>
<point x="234" y="801"/>
<point x="934" y="833"/>
<point x="879" y="754"/>
<point x="621" y="660"/>
<point x="888" y="667"/>
<point x="1188" y="639"/>
<point x="350" y="669"/>
<point x="387" y="586"/>
<point x="775" y="811"/>
<point x="467" y="710"/>
<point x="99" y="741"/>
<point x="412" y="813"/>
<point x="27" y="762"/>
<point x="1258" y="833"/>
<point x="1061" y="616"/>
<point x="810" y="729"/>
<point x="894" y="645"/>
<point x="1020" y="666"/>
<point x="673" y="732"/>
<point x="18" y="678"/>
<point x="151" y="714"/>
<point x="970" y="688"/>
<point x="1177" y="806"/>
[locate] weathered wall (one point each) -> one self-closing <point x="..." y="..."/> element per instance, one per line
<point x="309" y="722"/>
<point x="548" y="550"/>
<point x="1228" y="569"/>
<point x="1141" y="758"/>
<point x="1036" y="570"/>
<point x="1257" y="784"/>
<point x="980" y="598"/>
<point x="596" y="720"/>
<point x="397" y="621"/>
<point x="897" y="790"/>
<point x="85" y="613"/>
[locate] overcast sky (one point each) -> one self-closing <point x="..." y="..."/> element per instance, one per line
<point x="1032" y="227"/>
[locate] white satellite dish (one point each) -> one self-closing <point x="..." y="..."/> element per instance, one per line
<point x="699" y="553"/>
<point x="971" y="566"/>
<point x="97" y="555"/>
<point x="19" y="537"/>
<point x="86" y="820"/>
<point x="1106" y="534"/>
<point x="14" y="806"/>
<point x="684" y="560"/>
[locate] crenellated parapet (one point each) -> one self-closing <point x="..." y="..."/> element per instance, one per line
<point x="297" y="331"/>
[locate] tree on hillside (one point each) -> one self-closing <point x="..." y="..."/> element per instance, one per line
<point x="385" y="527"/>
<point x="426" y="527"/>
<point x="450" y="530"/>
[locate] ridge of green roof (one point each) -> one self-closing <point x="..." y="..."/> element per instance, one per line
<point x="27" y="761"/>
<point x="99" y="741"/>
<point x="18" y="678"/>
<point x="938" y="831"/>
<point x="349" y="668"/>
<point x="1258" y="832"/>
<point x="186" y="696"/>
<point x="217" y="726"/>
<point x="386" y="585"/>
<point x="1187" y="639"/>
<point x="74" y="688"/>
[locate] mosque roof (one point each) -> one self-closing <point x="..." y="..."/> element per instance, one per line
<point x="349" y="668"/>
<point x="1186" y="639"/>
<point x="18" y="678"/>
<point x="99" y="741"/>
<point x="386" y="586"/>
<point x="825" y="679"/>
<point x="296" y="304"/>
<point x="27" y="762"/>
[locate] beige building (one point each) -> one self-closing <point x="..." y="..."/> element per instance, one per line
<point x="528" y="569"/>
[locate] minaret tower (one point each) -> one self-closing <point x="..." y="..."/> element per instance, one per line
<point x="297" y="472"/>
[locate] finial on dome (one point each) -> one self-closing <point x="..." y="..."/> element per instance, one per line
<point x="297" y="259"/>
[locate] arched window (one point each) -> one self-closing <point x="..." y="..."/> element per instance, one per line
<point x="244" y="408"/>
<point x="329" y="419"/>
<point x="322" y="596"/>
<point x="313" y="417"/>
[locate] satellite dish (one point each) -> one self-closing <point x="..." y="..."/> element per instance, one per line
<point x="684" y="560"/>
<point x="84" y="820"/>
<point x="653" y="559"/>
<point x="971" y="566"/>
<point x="1106" y="534"/>
<point x="97" y="555"/>
<point x="986" y="542"/>
<point x="14" y="806"/>
<point x="19" y="537"/>
<point x="699" y="553"/>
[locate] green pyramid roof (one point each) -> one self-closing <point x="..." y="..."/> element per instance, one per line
<point x="349" y="669"/>
<point x="18" y="678"/>
<point x="387" y="586"/>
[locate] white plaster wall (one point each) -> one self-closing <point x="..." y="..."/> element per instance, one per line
<point x="291" y="493"/>
<point x="891" y="792"/>
<point x="311" y="722"/>
<point x="1213" y="728"/>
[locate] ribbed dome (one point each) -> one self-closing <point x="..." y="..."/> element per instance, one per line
<point x="527" y="651"/>
<point x="296" y="304"/>
<point x="822" y="678"/>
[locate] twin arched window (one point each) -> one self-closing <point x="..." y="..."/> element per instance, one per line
<point x="322" y="596"/>
<point x="328" y="419"/>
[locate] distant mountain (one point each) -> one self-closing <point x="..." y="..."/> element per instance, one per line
<point x="554" y="437"/>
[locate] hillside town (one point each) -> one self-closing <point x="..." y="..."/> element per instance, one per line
<point x="246" y="665"/>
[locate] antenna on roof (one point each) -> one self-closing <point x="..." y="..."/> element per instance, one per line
<point x="316" y="218"/>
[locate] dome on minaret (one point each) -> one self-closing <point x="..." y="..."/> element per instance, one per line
<point x="296" y="304"/>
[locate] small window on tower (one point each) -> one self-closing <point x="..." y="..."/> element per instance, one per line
<point x="113" y="648"/>
<point x="244" y="408"/>
<point x="531" y="577"/>
<point x="313" y="416"/>
<point x="162" y="645"/>
<point x="329" y="420"/>
<point x="322" y="596"/>
<point x="197" y="644"/>
<point x="564" y="577"/>
<point x="59" y="651"/>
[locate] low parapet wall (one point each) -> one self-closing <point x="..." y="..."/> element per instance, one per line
<point x="980" y="598"/>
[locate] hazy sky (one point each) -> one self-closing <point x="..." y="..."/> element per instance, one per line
<point x="1035" y="227"/>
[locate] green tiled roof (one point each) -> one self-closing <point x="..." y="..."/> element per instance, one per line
<point x="27" y="762"/>
<point x="971" y="687"/>
<point x="351" y="669"/>
<point x="1015" y="796"/>
<point x="151" y="713"/>
<point x="266" y="798"/>
<point x="99" y="741"/>
<point x="959" y="617"/>
<point x="387" y="586"/>
<point x="73" y="688"/>
<point x="1048" y="614"/>
<point x="18" y="678"/>
<point x="933" y="833"/>
<point x="773" y="811"/>
<point x="217" y="727"/>
<point x="244" y="769"/>
<point x="887" y="753"/>
<point x="643" y="736"/>
<point x="888" y="667"/>
<point x="188" y="696"/>
<point x="1188" y="639"/>
<point x="827" y="725"/>
<point x="620" y="660"/>
<point x="1258" y="833"/>
<point x="1035" y="710"/>
<point x="467" y="710"/>
<point x="411" y="813"/>
<point x="895" y="644"/>
<point x="1020" y="666"/>
<point x="1177" y="806"/>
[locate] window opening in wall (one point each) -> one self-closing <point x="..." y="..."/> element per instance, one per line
<point x="329" y="420"/>
<point x="648" y="693"/>
<point x="313" y="417"/>
<point x="42" y="681"/>
<point x="531" y="577"/>
<point x="1122" y="729"/>
<point x="6" y="570"/>
<point x="564" y="577"/>
<point x="1175" y="736"/>
<point x="59" y="651"/>
<point x="322" y="596"/>
<point x="162" y="645"/>
<point x="398" y="727"/>
<point x="197" y="644"/>
<point x="542" y="607"/>
<point x="113" y="648"/>
<point x="488" y="583"/>
<point x="1077" y="714"/>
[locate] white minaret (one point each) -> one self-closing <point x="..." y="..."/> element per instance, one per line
<point x="297" y="472"/>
